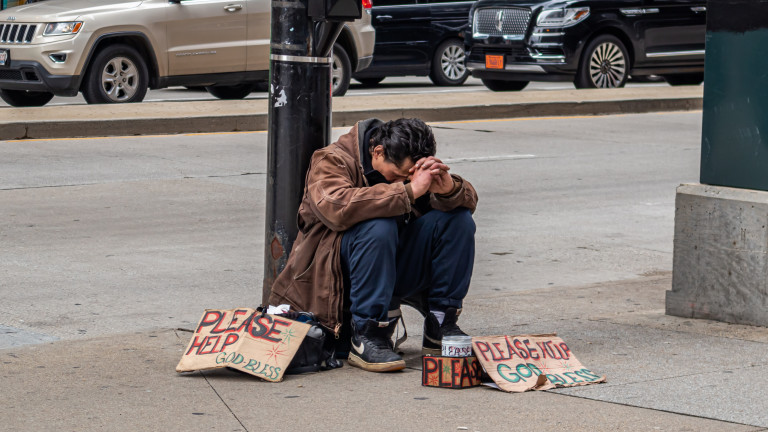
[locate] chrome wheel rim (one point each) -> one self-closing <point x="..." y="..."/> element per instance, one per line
<point x="337" y="73"/>
<point x="452" y="62"/>
<point x="607" y="66"/>
<point x="120" y="79"/>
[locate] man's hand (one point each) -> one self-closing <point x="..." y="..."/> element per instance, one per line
<point x="421" y="182"/>
<point x="442" y="182"/>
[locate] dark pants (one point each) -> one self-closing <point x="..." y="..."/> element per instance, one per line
<point x="382" y="264"/>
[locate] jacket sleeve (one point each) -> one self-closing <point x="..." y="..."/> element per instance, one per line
<point x="339" y="203"/>
<point x="463" y="196"/>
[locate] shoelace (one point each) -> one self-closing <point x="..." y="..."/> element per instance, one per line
<point x="451" y="329"/>
<point x="378" y="342"/>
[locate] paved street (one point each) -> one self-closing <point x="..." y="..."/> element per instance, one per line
<point x="412" y="85"/>
<point x="167" y="226"/>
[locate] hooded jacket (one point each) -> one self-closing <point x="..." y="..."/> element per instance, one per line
<point x="336" y="197"/>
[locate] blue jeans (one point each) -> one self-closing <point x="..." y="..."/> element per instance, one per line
<point x="382" y="264"/>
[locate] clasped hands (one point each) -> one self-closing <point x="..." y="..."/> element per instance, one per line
<point x="430" y="174"/>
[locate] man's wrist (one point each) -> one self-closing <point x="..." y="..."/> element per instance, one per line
<point x="454" y="189"/>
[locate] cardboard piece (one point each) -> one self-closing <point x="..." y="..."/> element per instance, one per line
<point x="262" y="345"/>
<point x="531" y="362"/>
<point x="450" y="372"/>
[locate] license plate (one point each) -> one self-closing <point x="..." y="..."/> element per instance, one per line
<point x="5" y="57"/>
<point x="494" y="61"/>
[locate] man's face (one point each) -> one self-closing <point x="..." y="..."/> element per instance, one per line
<point x="390" y="171"/>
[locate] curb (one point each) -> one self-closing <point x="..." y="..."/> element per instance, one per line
<point x="169" y="121"/>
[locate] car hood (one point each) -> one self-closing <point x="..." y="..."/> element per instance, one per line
<point x="63" y="10"/>
<point x="553" y="4"/>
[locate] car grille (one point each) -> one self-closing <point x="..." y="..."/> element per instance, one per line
<point x="481" y="51"/>
<point x="17" y="33"/>
<point x="10" y="75"/>
<point x="511" y="23"/>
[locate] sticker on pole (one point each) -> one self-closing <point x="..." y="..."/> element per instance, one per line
<point x="531" y="362"/>
<point x="245" y="339"/>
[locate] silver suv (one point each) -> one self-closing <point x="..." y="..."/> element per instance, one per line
<point x="114" y="50"/>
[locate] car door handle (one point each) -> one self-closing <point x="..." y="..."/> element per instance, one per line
<point x="233" y="7"/>
<point x="699" y="8"/>
<point x="384" y="17"/>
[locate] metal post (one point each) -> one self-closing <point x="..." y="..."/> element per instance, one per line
<point x="299" y="120"/>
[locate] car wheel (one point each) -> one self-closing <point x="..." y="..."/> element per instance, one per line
<point x="685" y="79"/>
<point x="261" y="86"/>
<point x="370" y="82"/>
<point x="448" y="68"/>
<point x="117" y="74"/>
<point x="341" y="71"/>
<point x="501" y="85"/>
<point x="24" y="98"/>
<point x="237" y="91"/>
<point x="604" y="64"/>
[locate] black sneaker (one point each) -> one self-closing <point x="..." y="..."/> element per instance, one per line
<point x="372" y="348"/>
<point x="432" y="343"/>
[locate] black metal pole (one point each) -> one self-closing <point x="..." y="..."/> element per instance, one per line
<point x="299" y="124"/>
<point x="303" y="34"/>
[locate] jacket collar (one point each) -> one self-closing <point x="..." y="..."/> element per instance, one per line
<point x="351" y="142"/>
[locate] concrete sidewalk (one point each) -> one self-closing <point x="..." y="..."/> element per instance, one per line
<point x="664" y="373"/>
<point x="250" y="115"/>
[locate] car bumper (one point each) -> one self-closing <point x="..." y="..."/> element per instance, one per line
<point x="363" y="63"/>
<point x="32" y="76"/>
<point x="544" y="55"/>
<point x="50" y="66"/>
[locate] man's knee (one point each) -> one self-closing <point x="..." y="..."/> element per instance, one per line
<point x="461" y="219"/>
<point x="381" y="229"/>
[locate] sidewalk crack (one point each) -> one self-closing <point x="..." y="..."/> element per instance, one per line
<point x="222" y="401"/>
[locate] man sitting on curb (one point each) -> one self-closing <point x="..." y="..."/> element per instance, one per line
<point x="362" y="228"/>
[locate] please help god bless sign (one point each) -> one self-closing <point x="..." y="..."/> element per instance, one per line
<point x="531" y="362"/>
<point x="245" y="339"/>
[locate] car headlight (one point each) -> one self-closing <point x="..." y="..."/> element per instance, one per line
<point x="564" y="17"/>
<point x="62" y="28"/>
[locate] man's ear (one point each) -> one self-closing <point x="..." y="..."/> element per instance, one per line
<point x="378" y="150"/>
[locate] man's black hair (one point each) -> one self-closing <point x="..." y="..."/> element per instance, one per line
<point x="404" y="138"/>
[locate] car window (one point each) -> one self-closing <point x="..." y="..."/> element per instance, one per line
<point x="11" y="3"/>
<point x="393" y="2"/>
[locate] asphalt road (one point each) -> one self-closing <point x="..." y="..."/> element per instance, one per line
<point x="113" y="235"/>
<point x="392" y="85"/>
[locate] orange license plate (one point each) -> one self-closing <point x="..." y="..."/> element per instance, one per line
<point x="494" y="61"/>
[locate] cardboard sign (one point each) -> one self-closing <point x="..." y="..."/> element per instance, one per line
<point x="531" y="362"/>
<point x="262" y="345"/>
<point x="450" y="372"/>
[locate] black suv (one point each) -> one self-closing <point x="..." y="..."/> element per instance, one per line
<point x="594" y="43"/>
<point x="418" y="37"/>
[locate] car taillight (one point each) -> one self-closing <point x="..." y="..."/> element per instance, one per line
<point x="367" y="4"/>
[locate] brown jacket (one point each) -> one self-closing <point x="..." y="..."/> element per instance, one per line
<point x="336" y="197"/>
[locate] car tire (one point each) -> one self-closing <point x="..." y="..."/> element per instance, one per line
<point x="448" y="64"/>
<point x="117" y="74"/>
<point x="604" y="64"/>
<point x="370" y="82"/>
<point x="685" y="79"/>
<point x="341" y="71"/>
<point x="25" y="98"/>
<point x="502" y="85"/>
<point x="229" y="92"/>
<point x="261" y="86"/>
